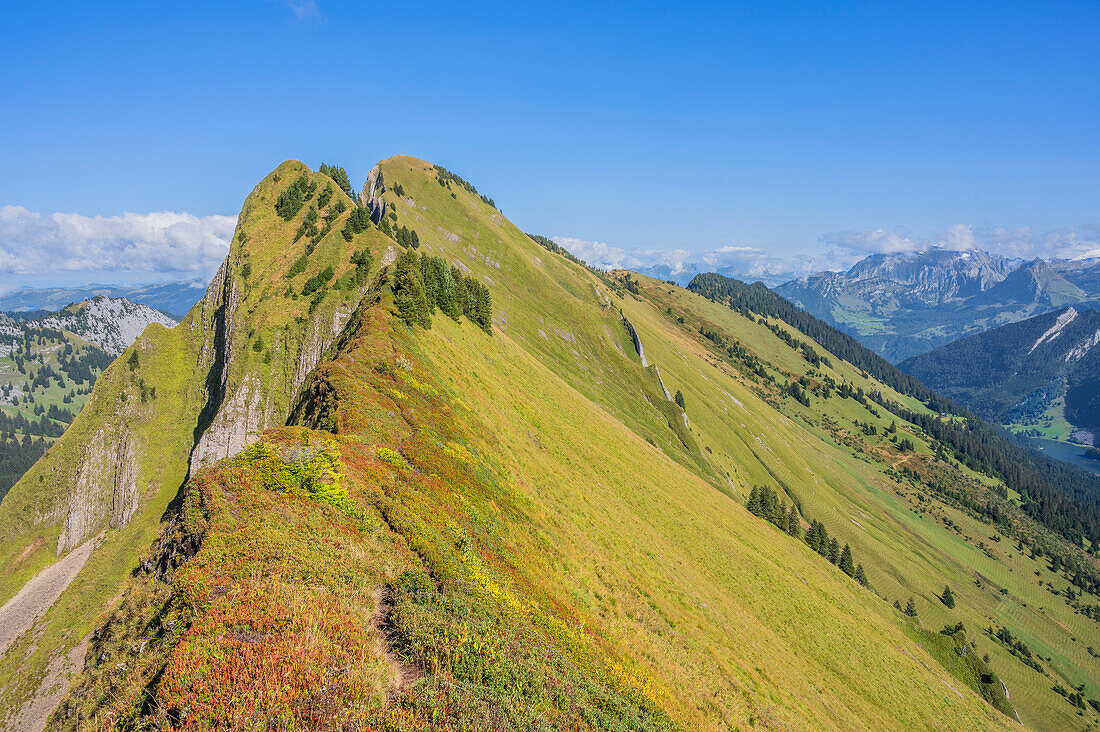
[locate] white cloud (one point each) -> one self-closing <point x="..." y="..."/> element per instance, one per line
<point x="838" y="251"/>
<point x="596" y="253"/>
<point x="874" y="241"/>
<point x="179" y="245"/>
<point x="960" y="238"/>
<point x="1068" y="243"/>
<point x="305" y="10"/>
<point x="743" y="261"/>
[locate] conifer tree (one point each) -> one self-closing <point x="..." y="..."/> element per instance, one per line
<point x="460" y="288"/>
<point x="428" y="280"/>
<point x="679" y="399"/>
<point x="861" y="576"/>
<point x="777" y="512"/>
<point x="792" y="523"/>
<point x="911" y="608"/>
<point x="408" y="291"/>
<point x="834" y="550"/>
<point x="469" y="302"/>
<point x="484" y="309"/>
<point x="948" y="597"/>
<point x="847" y="566"/>
<point x="817" y="538"/>
<point x="340" y="176"/>
<point x="754" y="501"/>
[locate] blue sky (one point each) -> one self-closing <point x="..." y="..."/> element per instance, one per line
<point x="804" y="134"/>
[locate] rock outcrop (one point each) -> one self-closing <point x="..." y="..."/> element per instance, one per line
<point x="238" y="421"/>
<point x="371" y="197"/>
<point x="106" y="489"/>
<point x="242" y="401"/>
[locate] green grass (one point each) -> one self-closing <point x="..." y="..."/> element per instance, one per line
<point x="905" y="552"/>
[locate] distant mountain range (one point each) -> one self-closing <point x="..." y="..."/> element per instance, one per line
<point x="110" y="323"/>
<point x="905" y="304"/>
<point x="1023" y="373"/>
<point x="450" y="476"/>
<point x="173" y="298"/>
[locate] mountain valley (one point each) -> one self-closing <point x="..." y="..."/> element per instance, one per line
<point x="1037" y="376"/>
<point x="48" y="365"/>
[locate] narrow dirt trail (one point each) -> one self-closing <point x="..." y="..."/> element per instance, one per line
<point x="403" y="673"/>
<point x="39" y="594"/>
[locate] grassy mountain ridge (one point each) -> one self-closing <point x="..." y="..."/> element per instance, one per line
<point x="114" y="473"/>
<point x="522" y="529"/>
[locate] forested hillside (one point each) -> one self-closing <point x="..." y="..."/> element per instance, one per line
<point x="1018" y="373"/>
<point x="46" y="375"/>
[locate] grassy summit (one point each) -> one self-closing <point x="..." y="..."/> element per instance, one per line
<point x="445" y="527"/>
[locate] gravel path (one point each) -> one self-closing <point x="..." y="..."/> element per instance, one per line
<point x="41" y="591"/>
<point x="34" y="714"/>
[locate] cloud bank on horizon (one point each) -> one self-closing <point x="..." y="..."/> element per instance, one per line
<point x="165" y="245"/>
<point x="840" y="250"/>
<point x="176" y="246"/>
<point x="744" y="260"/>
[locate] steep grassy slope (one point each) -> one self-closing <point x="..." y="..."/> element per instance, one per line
<point x="522" y="530"/>
<point x="912" y="540"/>
<point x="912" y="551"/>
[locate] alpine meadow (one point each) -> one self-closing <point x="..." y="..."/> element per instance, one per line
<point x="405" y="466"/>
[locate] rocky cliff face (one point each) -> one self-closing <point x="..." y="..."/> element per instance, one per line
<point x="371" y="197"/>
<point x="933" y="277"/>
<point x="178" y="399"/>
<point x="106" y="488"/>
<point x="198" y="392"/>
<point x="242" y="397"/>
